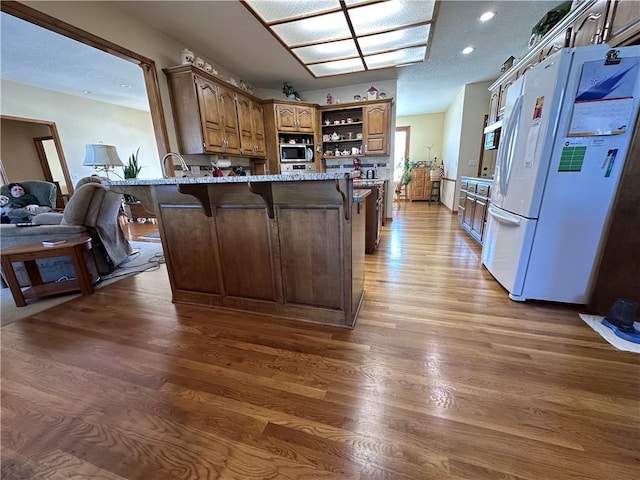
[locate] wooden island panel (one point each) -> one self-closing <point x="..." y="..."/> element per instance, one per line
<point x="186" y="249"/>
<point x="244" y="235"/>
<point x="312" y="262"/>
<point x="292" y="249"/>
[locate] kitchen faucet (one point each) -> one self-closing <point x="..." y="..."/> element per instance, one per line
<point x="183" y="164"/>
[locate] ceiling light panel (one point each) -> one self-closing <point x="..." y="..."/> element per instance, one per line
<point x="398" y="57"/>
<point x="383" y="16"/>
<point x="276" y="11"/>
<point x="323" y="28"/>
<point x="326" y="51"/>
<point x="337" y="68"/>
<point x="393" y="40"/>
<point x="367" y="34"/>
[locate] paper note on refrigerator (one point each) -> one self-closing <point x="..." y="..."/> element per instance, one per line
<point x="532" y="145"/>
<point x="604" y="102"/>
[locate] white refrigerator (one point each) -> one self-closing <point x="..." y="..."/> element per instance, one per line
<point x="567" y="126"/>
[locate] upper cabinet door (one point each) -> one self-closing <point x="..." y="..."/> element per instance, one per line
<point x="295" y="118"/>
<point x="245" y="124"/>
<point x="285" y="118"/>
<point x="258" y="129"/>
<point x="376" y="129"/>
<point x="306" y="117"/>
<point x="211" y="115"/>
<point x="229" y="107"/>
<point x="624" y="23"/>
<point x="252" y="143"/>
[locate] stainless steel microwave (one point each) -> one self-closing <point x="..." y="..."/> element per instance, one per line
<point x="296" y="152"/>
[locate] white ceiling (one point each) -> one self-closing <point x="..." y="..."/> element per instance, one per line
<point x="226" y="33"/>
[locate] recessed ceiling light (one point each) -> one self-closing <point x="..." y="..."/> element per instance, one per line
<point x="486" y="16"/>
<point x="468" y="50"/>
<point x="124" y="85"/>
<point x="88" y="92"/>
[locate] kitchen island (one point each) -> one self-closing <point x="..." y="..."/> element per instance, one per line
<point x="284" y="245"/>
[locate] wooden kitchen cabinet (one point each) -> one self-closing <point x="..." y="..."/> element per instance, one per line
<point x="376" y="128"/>
<point x="288" y="122"/>
<point x="623" y="23"/>
<point x="420" y="184"/>
<point x="374" y="215"/>
<point x="368" y="120"/>
<point x="292" y="249"/>
<point x="473" y="203"/>
<point x="295" y="118"/>
<point x="206" y="114"/>
<point x="251" y="127"/>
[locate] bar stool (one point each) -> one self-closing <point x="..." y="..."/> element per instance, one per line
<point x="434" y="193"/>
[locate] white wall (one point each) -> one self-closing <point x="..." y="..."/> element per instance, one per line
<point x="426" y="131"/>
<point x="464" y="121"/>
<point x="476" y="106"/>
<point x="80" y="121"/>
<point x="451" y="150"/>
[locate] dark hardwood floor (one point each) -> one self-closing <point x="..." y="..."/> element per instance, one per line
<point x="443" y="377"/>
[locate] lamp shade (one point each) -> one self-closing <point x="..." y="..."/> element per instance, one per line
<point x="99" y="155"/>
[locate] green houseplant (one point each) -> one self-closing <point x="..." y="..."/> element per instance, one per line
<point x="290" y="92"/>
<point x="131" y="170"/>
<point x="405" y="177"/>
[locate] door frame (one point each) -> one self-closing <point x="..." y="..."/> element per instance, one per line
<point x="43" y="163"/>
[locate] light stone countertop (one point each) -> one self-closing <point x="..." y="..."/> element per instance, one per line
<point x="364" y="183"/>
<point x="360" y="193"/>
<point x="234" y="179"/>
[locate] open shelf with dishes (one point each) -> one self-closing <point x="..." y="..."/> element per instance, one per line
<point x="357" y="128"/>
<point x="342" y="132"/>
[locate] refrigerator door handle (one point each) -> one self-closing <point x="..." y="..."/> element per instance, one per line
<point x="502" y="217"/>
<point x="505" y="164"/>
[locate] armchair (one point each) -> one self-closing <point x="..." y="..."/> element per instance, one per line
<point x="92" y="211"/>
<point x="45" y="192"/>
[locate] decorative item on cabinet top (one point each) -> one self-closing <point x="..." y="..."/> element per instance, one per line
<point x="187" y="57"/>
<point x="290" y="92"/>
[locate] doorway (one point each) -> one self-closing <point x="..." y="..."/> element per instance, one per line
<point x="32" y="151"/>
<point x="400" y="154"/>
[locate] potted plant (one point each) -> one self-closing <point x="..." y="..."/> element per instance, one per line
<point x="131" y="170"/>
<point x="289" y="92"/>
<point x="133" y="208"/>
<point x="405" y="177"/>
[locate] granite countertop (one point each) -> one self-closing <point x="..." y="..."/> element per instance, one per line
<point x="364" y="183"/>
<point x="234" y="179"/>
<point x="477" y="179"/>
<point x="360" y="193"/>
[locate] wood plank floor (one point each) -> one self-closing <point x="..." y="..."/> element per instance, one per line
<point x="443" y="378"/>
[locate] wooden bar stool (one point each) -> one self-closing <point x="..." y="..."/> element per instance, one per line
<point x="434" y="193"/>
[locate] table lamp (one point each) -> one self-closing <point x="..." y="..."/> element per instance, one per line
<point x="102" y="157"/>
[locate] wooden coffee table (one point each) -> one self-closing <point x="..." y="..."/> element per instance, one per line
<point x="28" y="253"/>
